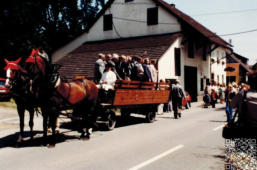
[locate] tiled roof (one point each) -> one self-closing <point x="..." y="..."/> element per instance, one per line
<point x="81" y="61"/>
<point x="193" y="23"/>
<point x="245" y="66"/>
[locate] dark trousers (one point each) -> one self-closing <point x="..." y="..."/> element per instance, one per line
<point x="175" y="108"/>
<point x="213" y="102"/>
<point x="176" y="104"/>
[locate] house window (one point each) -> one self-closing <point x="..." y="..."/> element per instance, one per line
<point x="204" y="53"/>
<point x="107" y="22"/>
<point x="190" y="49"/>
<point x="152" y="16"/>
<point x="177" y="62"/>
<point x="128" y="1"/>
<point x="207" y="81"/>
<point x="201" y="84"/>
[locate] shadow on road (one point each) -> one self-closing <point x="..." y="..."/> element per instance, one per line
<point x="222" y="157"/>
<point x="220" y="109"/>
<point x="10" y="140"/>
<point x="37" y="141"/>
<point x="166" y="117"/>
<point x="129" y="121"/>
<point x="218" y="121"/>
<point x="120" y="122"/>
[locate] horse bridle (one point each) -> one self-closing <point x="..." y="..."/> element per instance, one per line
<point x="13" y="80"/>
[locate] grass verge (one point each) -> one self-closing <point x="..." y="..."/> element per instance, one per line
<point x="8" y="104"/>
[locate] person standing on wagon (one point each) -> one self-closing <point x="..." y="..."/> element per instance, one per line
<point x="99" y="67"/>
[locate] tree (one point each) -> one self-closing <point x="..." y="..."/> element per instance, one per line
<point x="47" y="24"/>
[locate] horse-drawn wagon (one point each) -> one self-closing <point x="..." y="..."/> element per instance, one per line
<point x="131" y="97"/>
<point x="33" y="87"/>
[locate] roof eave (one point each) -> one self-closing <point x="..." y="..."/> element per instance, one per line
<point x="165" y="6"/>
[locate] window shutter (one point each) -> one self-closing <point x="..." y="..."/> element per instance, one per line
<point x="152" y="16"/>
<point x="177" y="62"/>
<point x="107" y="22"/>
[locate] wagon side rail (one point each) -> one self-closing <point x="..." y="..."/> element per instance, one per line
<point x="140" y="93"/>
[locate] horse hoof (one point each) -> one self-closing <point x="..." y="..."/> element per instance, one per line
<point x="84" y="138"/>
<point x="51" y="146"/>
<point x="18" y="144"/>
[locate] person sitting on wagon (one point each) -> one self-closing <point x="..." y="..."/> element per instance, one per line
<point x="108" y="79"/>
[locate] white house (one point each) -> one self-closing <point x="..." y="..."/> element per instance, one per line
<point x="218" y="65"/>
<point x="151" y="27"/>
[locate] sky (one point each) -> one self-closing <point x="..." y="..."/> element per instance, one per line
<point x="227" y="17"/>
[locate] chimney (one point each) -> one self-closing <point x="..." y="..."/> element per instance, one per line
<point x="230" y="41"/>
<point x="173" y="5"/>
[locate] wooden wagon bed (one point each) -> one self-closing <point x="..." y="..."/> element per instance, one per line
<point x="140" y="93"/>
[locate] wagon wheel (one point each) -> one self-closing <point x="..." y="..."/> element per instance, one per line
<point x="111" y="120"/>
<point x="150" y="116"/>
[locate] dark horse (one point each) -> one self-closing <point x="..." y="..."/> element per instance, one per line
<point x="79" y="95"/>
<point x="18" y="82"/>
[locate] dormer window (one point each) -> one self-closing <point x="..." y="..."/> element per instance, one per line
<point x="107" y="22"/>
<point x="152" y="16"/>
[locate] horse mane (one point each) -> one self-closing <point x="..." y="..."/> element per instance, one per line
<point x="39" y="62"/>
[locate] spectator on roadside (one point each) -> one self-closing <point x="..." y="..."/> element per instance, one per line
<point x="206" y="98"/>
<point x="169" y="105"/>
<point x="161" y="106"/>
<point x="230" y="93"/>
<point x="176" y="96"/>
<point x="221" y="94"/>
<point x="99" y="67"/>
<point x="213" y="98"/>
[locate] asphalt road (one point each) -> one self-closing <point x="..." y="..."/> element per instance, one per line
<point x="193" y="142"/>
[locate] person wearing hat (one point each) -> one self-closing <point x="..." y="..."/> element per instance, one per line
<point x="108" y="79"/>
<point x="177" y="94"/>
<point x="99" y="67"/>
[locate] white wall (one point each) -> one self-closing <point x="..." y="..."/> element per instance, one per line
<point x="166" y="64"/>
<point x="135" y="10"/>
<point x="203" y="67"/>
<point x="218" y="68"/>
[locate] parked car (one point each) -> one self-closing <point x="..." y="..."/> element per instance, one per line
<point x="186" y="102"/>
<point x="4" y="92"/>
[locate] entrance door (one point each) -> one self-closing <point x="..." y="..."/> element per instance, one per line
<point x="191" y="81"/>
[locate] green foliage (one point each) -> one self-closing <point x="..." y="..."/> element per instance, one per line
<point x="47" y="24"/>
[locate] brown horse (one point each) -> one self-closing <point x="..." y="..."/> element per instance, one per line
<point x="17" y="82"/>
<point x="81" y="96"/>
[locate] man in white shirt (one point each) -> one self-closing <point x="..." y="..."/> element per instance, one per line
<point x="108" y="79"/>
